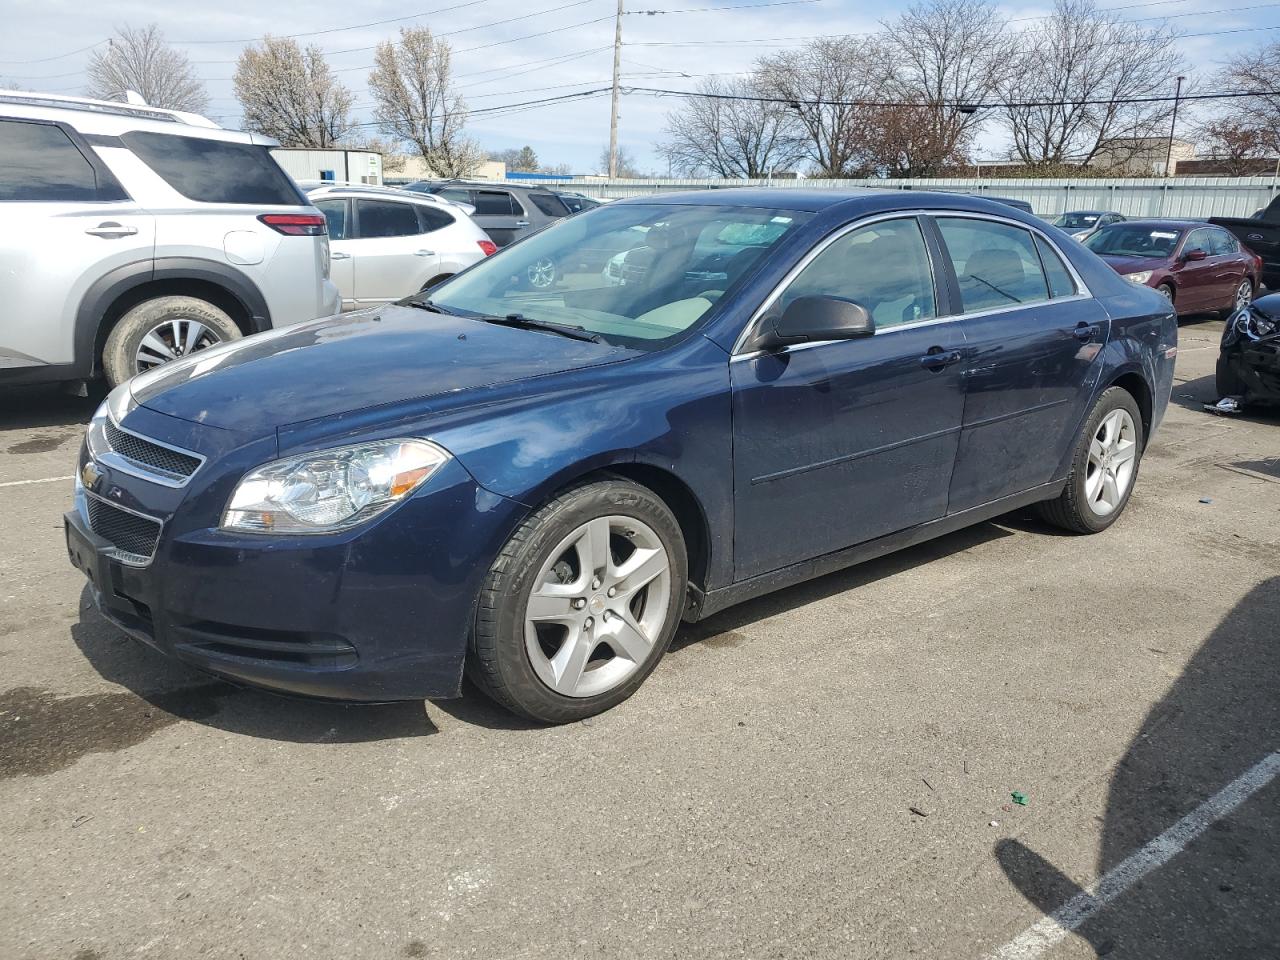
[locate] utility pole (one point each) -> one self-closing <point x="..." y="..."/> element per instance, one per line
<point x="1173" y="125"/>
<point x="613" y="112"/>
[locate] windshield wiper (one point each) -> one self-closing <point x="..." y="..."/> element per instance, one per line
<point x="519" y="320"/>
<point x="428" y="305"/>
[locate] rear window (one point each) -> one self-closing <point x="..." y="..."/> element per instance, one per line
<point x="386" y="218"/>
<point x="549" y="204"/>
<point x="40" y="164"/>
<point x="215" y="171"/>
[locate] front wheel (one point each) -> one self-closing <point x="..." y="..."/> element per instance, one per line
<point x="581" y="604"/>
<point x="1103" y="467"/>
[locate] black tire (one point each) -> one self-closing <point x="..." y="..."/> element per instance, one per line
<point x="1166" y="291"/>
<point x="498" y="661"/>
<point x="1071" y="510"/>
<point x="1227" y="380"/>
<point x="1234" y="305"/>
<point x="119" y="355"/>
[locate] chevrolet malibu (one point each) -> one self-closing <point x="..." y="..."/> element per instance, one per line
<point x="535" y="487"/>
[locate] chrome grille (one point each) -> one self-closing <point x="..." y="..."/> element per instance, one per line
<point x="148" y="454"/>
<point x="127" y="532"/>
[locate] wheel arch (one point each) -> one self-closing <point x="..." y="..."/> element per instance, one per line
<point x="119" y="291"/>
<point x="1135" y="384"/>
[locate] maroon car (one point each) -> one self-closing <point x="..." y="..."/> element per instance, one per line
<point x="1201" y="268"/>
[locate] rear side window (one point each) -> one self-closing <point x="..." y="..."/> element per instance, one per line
<point x="40" y="164"/>
<point x="495" y="203"/>
<point x="1055" y="271"/>
<point x="386" y="218"/>
<point x="1223" y="243"/>
<point x="429" y="218"/>
<point x="215" y="171"/>
<point x="995" y="263"/>
<point x="549" y="204"/>
<point x="456" y="193"/>
<point x="335" y="215"/>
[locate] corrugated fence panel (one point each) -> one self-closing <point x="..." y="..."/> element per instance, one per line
<point x="1192" y="197"/>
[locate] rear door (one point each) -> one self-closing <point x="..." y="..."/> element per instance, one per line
<point x="342" y="247"/>
<point x="1032" y="341"/>
<point x="1233" y="264"/>
<point x="500" y="215"/>
<point x="67" y="222"/>
<point x="391" y="253"/>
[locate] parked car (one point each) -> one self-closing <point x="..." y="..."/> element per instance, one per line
<point x="577" y="202"/>
<point x="538" y="488"/>
<point x="1261" y="235"/>
<point x="1200" y="268"/>
<point x="387" y="244"/>
<point x="135" y="235"/>
<point x="505" y="211"/>
<point x="1249" y="356"/>
<point x="1081" y="223"/>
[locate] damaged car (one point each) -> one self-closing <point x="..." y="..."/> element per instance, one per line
<point x="1249" y="364"/>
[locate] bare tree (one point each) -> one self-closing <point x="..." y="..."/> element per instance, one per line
<point x="626" y="167"/>
<point x="748" y="137"/>
<point x="1256" y="71"/>
<point x="140" y="60"/>
<point x="291" y="94"/>
<point x="1236" y="143"/>
<point x="412" y="86"/>
<point x="827" y="85"/>
<point x="1082" y="64"/>
<point x="943" y="58"/>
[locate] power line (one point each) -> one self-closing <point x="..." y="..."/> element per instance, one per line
<point x="353" y="26"/>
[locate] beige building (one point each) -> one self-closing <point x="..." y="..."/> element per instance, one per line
<point x="415" y="168"/>
<point x="1143" y="156"/>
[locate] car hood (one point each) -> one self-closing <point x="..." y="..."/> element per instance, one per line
<point x="1123" y="265"/>
<point x="352" y="362"/>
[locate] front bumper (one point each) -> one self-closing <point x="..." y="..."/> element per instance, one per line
<point x="379" y="613"/>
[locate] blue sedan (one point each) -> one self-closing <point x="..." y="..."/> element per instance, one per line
<point x="534" y="486"/>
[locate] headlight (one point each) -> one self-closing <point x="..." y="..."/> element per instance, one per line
<point x="332" y="489"/>
<point x="1081" y="235"/>
<point x="1142" y="276"/>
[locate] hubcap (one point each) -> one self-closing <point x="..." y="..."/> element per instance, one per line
<point x="597" y="607"/>
<point x="172" y="339"/>
<point x="1113" y="457"/>
<point x="1244" y="295"/>
<point x="542" y="273"/>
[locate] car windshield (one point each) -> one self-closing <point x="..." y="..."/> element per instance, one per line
<point x="1076" y="221"/>
<point x="1133" y="240"/>
<point x="636" y="274"/>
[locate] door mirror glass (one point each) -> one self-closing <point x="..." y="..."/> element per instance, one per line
<point x="814" y="319"/>
<point x="1196" y="254"/>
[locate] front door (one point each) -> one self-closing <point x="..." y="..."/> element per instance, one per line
<point x="839" y="442"/>
<point x="1032" y="342"/>
<point x="1199" y="281"/>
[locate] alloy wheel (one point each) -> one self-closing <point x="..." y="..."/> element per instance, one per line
<point x="172" y="339"/>
<point x="542" y="273"/>
<point x="1244" y="294"/>
<point x="1113" y="459"/>
<point x="598" y="606"/>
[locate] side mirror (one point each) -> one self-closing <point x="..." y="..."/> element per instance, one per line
<point x="812" y="319"/>
<point x="1196" y="254"/>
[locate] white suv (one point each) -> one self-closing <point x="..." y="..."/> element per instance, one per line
<point x="387" y="243"/>
<point x="135" y="235"/>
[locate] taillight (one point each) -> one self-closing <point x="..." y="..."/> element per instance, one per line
<point x="488" y="246"/>
<point x="296" y="224"/>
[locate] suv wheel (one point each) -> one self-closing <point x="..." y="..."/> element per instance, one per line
<point x="157" y="331"/>
<point x="580" y="605"/>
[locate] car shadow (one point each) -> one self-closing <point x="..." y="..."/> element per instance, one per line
<point x="1194" y="394"/>
<point x="1217" y="897"/>
<point x="46" y="406"/>
<point x="182" y="692"/>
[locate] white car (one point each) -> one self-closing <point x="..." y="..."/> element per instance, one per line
<point x="386" y="244"/>
<point x="134" y="235"/>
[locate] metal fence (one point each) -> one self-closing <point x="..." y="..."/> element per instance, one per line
<point x="1192" y="197"/>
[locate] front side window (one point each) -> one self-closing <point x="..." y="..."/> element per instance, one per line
<point x="633" y="273"/>
<point x="40" y="164"/>
<point x="883" y="266"/>
<point x="215" y="171"/>
<point x="1199" y="240"/>
<point x="335" y="215"/>
<point x="996" y="264"/>
<point x="386" y="218"/>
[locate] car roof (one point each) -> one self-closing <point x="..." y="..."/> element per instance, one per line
<point x="112" y="118"/>
<point x="1164" y="224"/>
<point x="1099" y="213"/>
<point x="812" y="200"/>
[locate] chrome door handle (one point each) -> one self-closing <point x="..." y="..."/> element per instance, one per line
<point x="522" y="223"/>
<point x="111" y="229"/>
<point x="339" y="255"/>
<point x="424" y="253"/>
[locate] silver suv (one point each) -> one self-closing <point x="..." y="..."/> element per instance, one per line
<point x="135" y="235"/>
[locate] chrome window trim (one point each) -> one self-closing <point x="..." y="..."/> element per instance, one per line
<point x="114" y="552"/>
<point x="143" y="471"/>
<point x="1082" y="289"/>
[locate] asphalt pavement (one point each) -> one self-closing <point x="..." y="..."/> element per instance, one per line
<point x="825" y="772"/>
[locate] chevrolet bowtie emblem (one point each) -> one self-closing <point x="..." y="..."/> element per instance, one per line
<point x="90" y="475"/>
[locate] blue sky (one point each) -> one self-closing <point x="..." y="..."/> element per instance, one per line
<point x="499" y="64"/>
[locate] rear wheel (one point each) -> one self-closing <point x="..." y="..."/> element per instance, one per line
<point x="1241" y="297"/>
<point x="157" y="331"/>
<point x="1103" y="467"/>
<point x="581" y="604"/>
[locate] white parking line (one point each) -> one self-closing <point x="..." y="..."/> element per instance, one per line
<point x="23" y="483"/>
<point x="1054" y="928"/>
